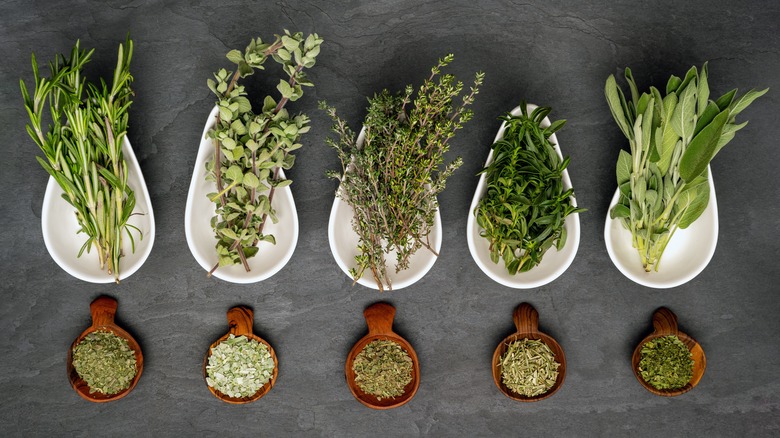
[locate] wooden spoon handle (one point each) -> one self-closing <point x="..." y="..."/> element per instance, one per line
<point x="526" y="319"/>
<point x="103" y="310"/>
<point x="240" y="320"/>
<point x="665" y="322"/>
<point x="379" y="318"/>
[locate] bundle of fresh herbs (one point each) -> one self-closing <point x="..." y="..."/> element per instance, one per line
<point x="528" y="367"/>
<point x="392" y="178"/>
<point x="666" y="363"/>
<point x="105" y="361"/>
<point x="239" y="367"/>
<point x="82" y="146"/>
<point x="383" y="369"/>
<point x="663" y="181"/>
<point x="524" y="207"/>
<point x="252" y="147"/>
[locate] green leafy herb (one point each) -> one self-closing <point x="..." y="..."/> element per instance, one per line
<point x="239" y="367"/>
<point x="83" y="147"/>
<point x="392" y="178"/>
<point x="523" y="210"/>
<point x="105" y="361"/>
<point x="666" y="363"/>
<point x="528" y="367"/>
<point x="254" y="145"/>
<point x="663" y="181"/>
<point x="383" y="369"/>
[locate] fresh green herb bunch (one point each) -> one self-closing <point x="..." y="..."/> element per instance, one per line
<point x="82" y="146"/>
<point x="253" y="147"/>
<point x="239" y="367"/>
<point x="663" y="181"/>
<point x="383" y="369"/>
<point x="523" y="211"/>
<point x="528" y="367"/>
<point x="105" y="361"/>
<point x="392" y="178"/>
<point x="666" y="363"/>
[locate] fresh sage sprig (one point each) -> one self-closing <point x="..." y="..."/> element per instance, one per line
<point x="253" y="147"/>
<point x="523" y="210"/>
<point x="392" y="178"/>
<point x="663" y="181"/>
<point x="82" y="146"/>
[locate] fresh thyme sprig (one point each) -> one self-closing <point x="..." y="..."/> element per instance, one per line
<point x="392" y="178"/>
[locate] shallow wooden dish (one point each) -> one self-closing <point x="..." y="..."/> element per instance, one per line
<point x="379" y="318"/>
<point x="240" y="322"/>
<point x="664" y="324"/>
<point x="527" y="322"/>
<point x="103" y="310"/>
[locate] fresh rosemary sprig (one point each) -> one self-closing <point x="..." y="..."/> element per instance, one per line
<point x="392" y="178"/>
<point x="253" y="147"/>
<point x="83" y="147"/>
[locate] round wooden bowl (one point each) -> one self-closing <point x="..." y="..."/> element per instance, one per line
<point x="379" y="318"/>
<point x="240" y="322"/>
<point x="103" y="310"/>
<point x="527" y="322"/>
<point x="664" y="324"/>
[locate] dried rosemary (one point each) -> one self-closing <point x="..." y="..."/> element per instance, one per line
<point x="383" y="369"/>
<point x="666" y="363"/>
<point x="528" y="367"/>
<point x="105" y="361"/>
<point x="239" y="367"/>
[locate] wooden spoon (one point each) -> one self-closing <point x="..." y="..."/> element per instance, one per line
<point x="103" y="310"/>
<point x="379" y="318"/>
<point x="527" y="322"/>
<point x="664" y="324"/>
<point x="240" y="323"/>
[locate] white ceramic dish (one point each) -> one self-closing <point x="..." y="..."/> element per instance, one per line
<point x="344" y="246"/>
<point x="60" y="226"/>
<point x="200" y="236"/>
<point x="687" y="254"/>
<point x="554" y="262"/>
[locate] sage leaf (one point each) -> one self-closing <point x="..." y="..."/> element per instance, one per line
<point x="702" y="148"/>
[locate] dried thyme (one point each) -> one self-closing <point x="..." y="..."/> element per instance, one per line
<point x="666" y="363"/>
<point x="105" y="361"/>
<point x="383" y="369"/>
<point x="239" y="367"/>
<point x="528" y="367"/>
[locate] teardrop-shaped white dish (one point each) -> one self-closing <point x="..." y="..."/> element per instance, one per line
<point x="60" y="226"/>
<point x="687" y="254"/>
<point x="554" y="262"/>
<point x="200" y="236"/>
<point x="344" y="246"/>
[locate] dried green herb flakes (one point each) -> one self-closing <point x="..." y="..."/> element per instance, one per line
<point x="105" y="361"/>
<point x="383" y="369"/>
<point x="239" y="367"/>
<point x="666" y="363"/>
<point x="528" y="367"/>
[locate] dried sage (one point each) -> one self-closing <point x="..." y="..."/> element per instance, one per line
<point x="239" y="367"/>
<point x="528" y="367"/>
<point x="383" y="369"/>
<point x="105" y="361"/>
<point x="666" y="363"/>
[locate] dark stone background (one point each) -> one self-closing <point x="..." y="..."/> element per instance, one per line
<point x="553" y="53"/>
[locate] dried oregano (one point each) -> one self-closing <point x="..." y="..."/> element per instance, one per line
<point x="105" y="361"/>
<point x="239" y="367"/>
<point x="383" y="369"/>
<point x="666" y="363"/>
<point x="528" y="367"/>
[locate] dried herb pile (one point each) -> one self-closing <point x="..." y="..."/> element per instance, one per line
<point x="383" y="369"/>
<point x="666" y="363"/>
<point x="524" y="207"/>
<point x="105" y="361"/>
<point x="239" y="367"/>
<point x="528" y="367"/>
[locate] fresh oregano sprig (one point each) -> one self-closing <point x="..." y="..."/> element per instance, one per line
<point x="254" y="146"/>
<point x="392" y="178"/>
<point x="523" y="210"/>
<point x="663" y="181"/>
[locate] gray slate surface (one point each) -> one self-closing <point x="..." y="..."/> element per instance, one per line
<point x="552" y="53"/>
